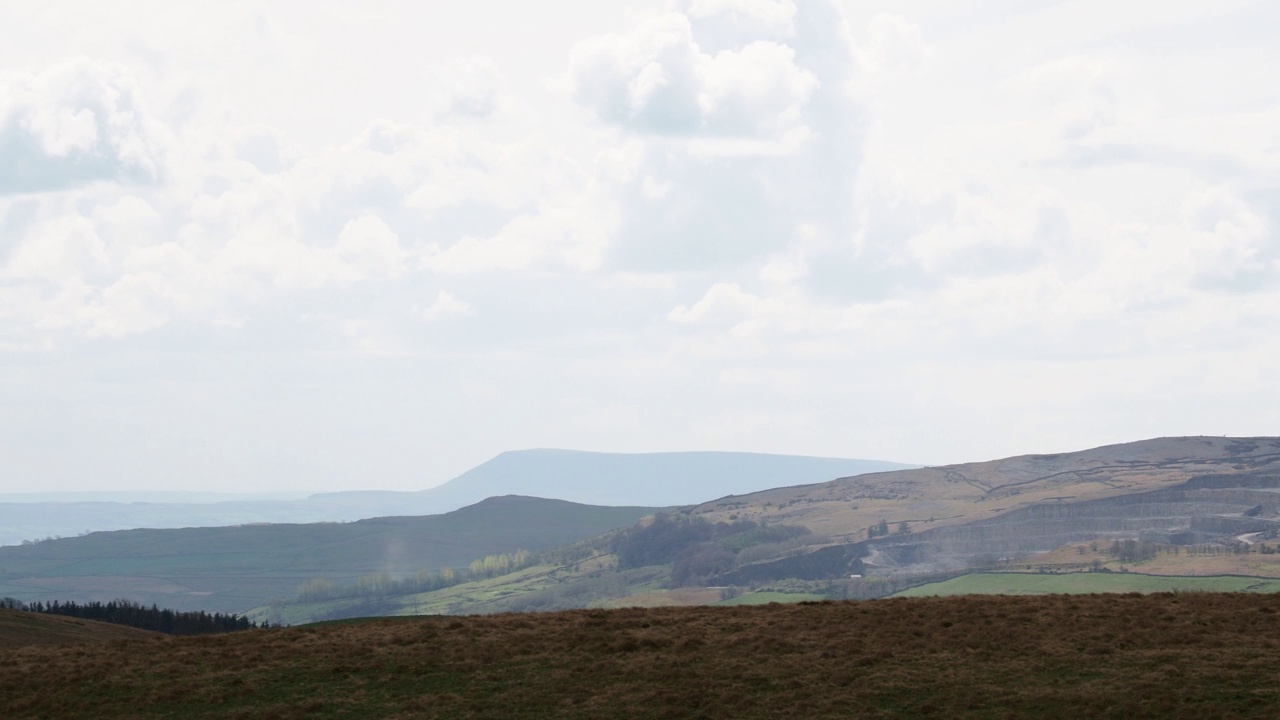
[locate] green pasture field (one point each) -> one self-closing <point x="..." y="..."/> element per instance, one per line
<point x="764" y="598"/>
<point x="1086" y="583"/>
<point x="437" y="602"/>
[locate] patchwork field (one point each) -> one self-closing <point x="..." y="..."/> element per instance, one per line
<point x="1086" y="582"/>
<point x="764" y="598"/>
<point x="1259" y="559"/>
<point x="1106" y="656"/>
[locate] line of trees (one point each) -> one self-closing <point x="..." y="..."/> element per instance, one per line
<point x="379" y="586"/>
<point x="881" y="529"/>
<point x="133" y="614"/>
<point x="500" y="564"/>
<point x="698" y="549"/>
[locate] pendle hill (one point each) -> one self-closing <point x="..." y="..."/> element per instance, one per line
<point x="618" y="479"/>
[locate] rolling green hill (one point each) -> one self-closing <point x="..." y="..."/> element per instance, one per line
<point x="24" y="629"/>
<point x="233" y="569"/>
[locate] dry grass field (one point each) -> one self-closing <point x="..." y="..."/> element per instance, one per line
<point x="1122" y="656"/>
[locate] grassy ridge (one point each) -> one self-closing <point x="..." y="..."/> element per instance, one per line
<point x="1082" y="583"/>
<point x="24" y="629"/>
<point x="1164" y="655"/>
<point x="234" y="569"/>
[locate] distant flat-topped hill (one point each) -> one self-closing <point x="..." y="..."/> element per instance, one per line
<point x="647" y="479"/>
<point x="675" y="478"/>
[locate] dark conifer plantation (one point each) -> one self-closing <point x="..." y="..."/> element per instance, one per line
<point x="127" y="612"/>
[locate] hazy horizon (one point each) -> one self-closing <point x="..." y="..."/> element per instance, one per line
<point x="196" y="496"/>
<point x="292" y="248"/>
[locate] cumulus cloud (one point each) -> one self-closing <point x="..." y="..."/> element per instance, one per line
<point x="1235" y="246"/>
<point x="371" y="247"/>
<point x="74" y="123"/>
<point x="758" y="16"/>
<point x="446" y="305"/>
<point x="646" y="79"/>
<point x="728" y="154"/>
<point x="894" y="47"/>
<point x="466" y="88"/>
<point x="268" y="149"/>
<point x="737" y="86"/>
<point x="57" y="247"/>
<point x="657" y="79"/>
<point x="248" y="216"/>
<point x="723" y="303"/>
<point x="1077" y="96"/>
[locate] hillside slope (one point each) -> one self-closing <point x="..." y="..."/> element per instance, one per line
<point x="1172" y="490"/>
<point x="948" y="495"/>
<point x="233" y="569"/>
<point x="24" y="629"/>
<point x="1196" y="502"/>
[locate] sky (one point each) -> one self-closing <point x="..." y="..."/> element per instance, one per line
<point x="281" y="246"/>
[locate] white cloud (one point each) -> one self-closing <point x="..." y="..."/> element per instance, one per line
<point x="57" y="248"/>
<point x="467" y="88"/>
<point x="723" y="303"/>
<point x="760" y="16"/>
<point x="371" y="247"/>
<point x="1233" y="242"/>
<point x="646" y="79"/>
<point x="895" y="47"/>
<point x="76" y="122"/>
<point x="133" y="304"/>
<point x="767" y="139"/>
<point x="266" y="148"/>
<point x="658" y="80"/>
<point x="446" y="305"/>
<point x="1078" y="96"/>
<point x="737" y="86"/>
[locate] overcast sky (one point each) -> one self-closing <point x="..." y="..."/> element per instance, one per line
<point x="328" y="245"/>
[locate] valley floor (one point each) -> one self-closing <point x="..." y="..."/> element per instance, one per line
<point x="1160" y="655"/>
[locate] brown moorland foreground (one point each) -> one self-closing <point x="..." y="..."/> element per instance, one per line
<point x="1168" y="655"/>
